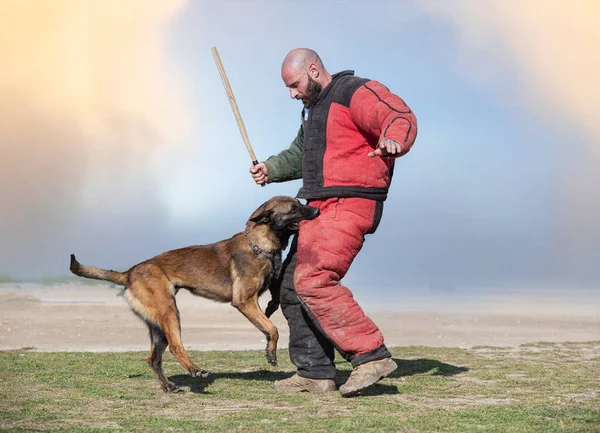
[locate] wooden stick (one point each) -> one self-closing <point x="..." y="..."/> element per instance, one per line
<point x="234" y="107"/>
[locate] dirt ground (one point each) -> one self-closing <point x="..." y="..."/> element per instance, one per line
<point x="93" y="317"/>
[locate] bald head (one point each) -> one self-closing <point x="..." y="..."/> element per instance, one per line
<point x="303" y="73"/>
<point x="301" y="58"/>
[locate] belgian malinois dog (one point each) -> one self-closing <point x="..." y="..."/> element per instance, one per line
<point x="236" y="270"/>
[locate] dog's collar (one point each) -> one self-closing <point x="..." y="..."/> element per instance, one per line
<point x="256" y="248"/>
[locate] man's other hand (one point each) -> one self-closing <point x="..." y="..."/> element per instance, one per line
<point x="387" y="148"/>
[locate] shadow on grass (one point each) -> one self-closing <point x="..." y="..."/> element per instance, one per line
<point x="418" y="366"/>
<point x="421" y="366"/>
<point x="199" y="385"/>
<point x="405" y="368"/>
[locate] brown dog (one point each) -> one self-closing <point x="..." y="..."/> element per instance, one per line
<point x="236" y="270"/>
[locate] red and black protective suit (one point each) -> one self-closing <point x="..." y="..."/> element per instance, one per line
<point x="351" y="116"/>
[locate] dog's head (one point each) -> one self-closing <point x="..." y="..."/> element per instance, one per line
<point x="283" y="214"/>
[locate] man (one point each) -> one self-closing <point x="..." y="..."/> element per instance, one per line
<point x="352" y="130"/>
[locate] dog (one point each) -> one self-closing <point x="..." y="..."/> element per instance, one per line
<point x="236" y="270"/>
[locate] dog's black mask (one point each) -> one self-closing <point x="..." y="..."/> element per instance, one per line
<point x="284" y="219"/>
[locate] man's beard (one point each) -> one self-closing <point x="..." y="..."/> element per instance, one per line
<point x="313" y="90"/>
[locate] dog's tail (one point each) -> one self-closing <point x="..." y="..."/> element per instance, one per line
<point x="96" y="273"/>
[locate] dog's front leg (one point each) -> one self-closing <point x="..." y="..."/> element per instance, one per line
<point x="250" y="309"/>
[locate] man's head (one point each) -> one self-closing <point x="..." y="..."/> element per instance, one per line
<point x="303" y="73"/>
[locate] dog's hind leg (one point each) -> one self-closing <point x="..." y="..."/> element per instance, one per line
<point x="158" y="344"/>
<point x="170" y="325"/>
<point x="152" y="297"/>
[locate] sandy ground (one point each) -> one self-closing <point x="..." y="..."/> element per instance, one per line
<point x="93" y="317"/>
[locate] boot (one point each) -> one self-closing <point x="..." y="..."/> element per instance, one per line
<point x="366" y="375"/>
<point x="303" y="384"/>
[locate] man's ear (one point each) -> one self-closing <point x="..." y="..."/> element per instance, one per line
<point x="262" y="218"/>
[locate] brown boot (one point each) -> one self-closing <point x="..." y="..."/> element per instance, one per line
<point x="366" y="375"/>
<point x="303" y="384"/>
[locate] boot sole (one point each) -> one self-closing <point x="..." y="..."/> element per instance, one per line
<point x="313" y="391"/>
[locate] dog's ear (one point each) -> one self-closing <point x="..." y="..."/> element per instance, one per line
<point x="261" y="217"/>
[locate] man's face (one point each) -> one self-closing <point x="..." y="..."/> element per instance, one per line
<point x="302" y="87"/>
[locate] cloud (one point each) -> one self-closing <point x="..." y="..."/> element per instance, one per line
<point x="554" y="47"/>
<point x="551" y="52"/>
<point x="88" y="106"/>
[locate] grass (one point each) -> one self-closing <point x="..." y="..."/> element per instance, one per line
<point x="533" y="388"/>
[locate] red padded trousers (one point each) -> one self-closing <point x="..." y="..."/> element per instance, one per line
<point x="326" y="248"/>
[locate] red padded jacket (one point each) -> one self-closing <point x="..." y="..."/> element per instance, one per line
<point x="351" y="116"/>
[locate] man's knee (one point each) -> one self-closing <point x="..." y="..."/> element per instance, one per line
<point x="310" y="282"/>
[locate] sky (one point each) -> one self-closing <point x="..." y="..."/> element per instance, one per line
<point x="118" y="142"/>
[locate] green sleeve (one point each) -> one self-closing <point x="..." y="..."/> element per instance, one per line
<point x="288" y="164"/>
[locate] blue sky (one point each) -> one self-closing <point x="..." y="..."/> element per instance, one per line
<point x="500" y="189"/>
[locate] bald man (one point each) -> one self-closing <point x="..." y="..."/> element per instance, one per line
<point x="352" y="131"/>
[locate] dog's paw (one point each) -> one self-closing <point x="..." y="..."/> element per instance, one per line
<point x="171" y="387"/>
<point x="200" y="373"/>
<point x="271" y="359"/>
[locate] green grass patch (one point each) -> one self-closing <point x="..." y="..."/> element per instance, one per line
<point x="533" y="388"/>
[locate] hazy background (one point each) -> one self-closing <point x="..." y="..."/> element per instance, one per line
<point x="117" y="141"/>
